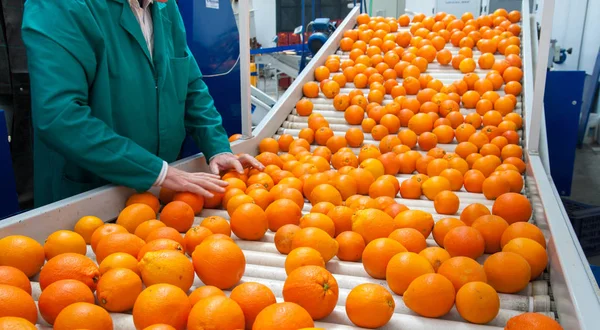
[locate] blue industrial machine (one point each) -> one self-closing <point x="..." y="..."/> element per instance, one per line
<point x="213" y="39"/>
<point x="9" y="204"/>
<point x="322" y="28"/>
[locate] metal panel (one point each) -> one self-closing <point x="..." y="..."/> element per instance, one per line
<point x="8" y="189"/>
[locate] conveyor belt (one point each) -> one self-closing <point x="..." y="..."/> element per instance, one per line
<point x="265" y="263"/>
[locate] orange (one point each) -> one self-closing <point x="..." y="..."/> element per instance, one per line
<point x="70" y="266"/>
<point x="220" y="263"/>
<point x="403" y="268"/>
<point x="532" y="251"/>
<point x="435" y="255"/>
<point x="304" y="107"/>
<point x="216" y="312"/>
<point x="311" y="89"/>
<point x="494" y="186"/>
<point x="512" y="207"/>
<point x="12" y="322"/>
<point x="118" y="289"/>
<point x="523" y="229"/>
<point x="377" y="254"/>
<point x="119" y="260"/>
<point x="284" y="315"/>
<point x="134" y="214"/>
<point x="442" y="227"/>
<point x="416" y="219"/>
<point x="16" y="302"/>
<point x="322" y="207"/>
<point x="370" y="305"/>
<point x="92" y="316"/>
<point x="164" y="232"/>
<point x="351" y="246"/>
<point x="464" y="241"/>
<point x="159" y="327"/>
<point x="507" y="272"/>
<point x="477" y="302"/>
<point x="313" y="288"/>
<point x="446" y="202"/>
<point x="167" y="266"/>
<point x="282" y="212"/>
<point x="532" y="321"/>
<point x="318" y="220"/>
<point x="125" y="242"/>
<point x="473" y="181"/>
<point x="430" y="295"/>
<point x="410" y="238"/>
<point x="325" y="193"/>
<point x="434" y="185"/>
<point x="162" y="303"/>
<point x="317" y="239"/>
<point x="86" y="226"/>
<point x="342" y="218"/>
<point x="15" y="277"/>
<point x="144" y="198"/>
<point x="217" y="225"/>
<point x="23" y="253"/>
<point x="372" y="224"/>
<point x="145" y="228"/>
<point x="252" y="299"/>
<point x="204" y="292"/>
<point x="178" y="214"/>
<point x="196" y="202"/>
<point x="64" y="241"/>
<point x="462" y="270"/>
<point x="59" y="295"/>
<point x="194" y="236"/>
<point x="302" y="256"/>
<point x="160" y="244"/>
<point x="249" y="222"/>
<point x="283" y="238"/>
<point x="491" y="228"/>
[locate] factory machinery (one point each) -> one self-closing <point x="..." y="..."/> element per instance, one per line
<point x="566" y="291"/>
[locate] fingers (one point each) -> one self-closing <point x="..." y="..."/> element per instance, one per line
<point x="252" y="161"/>
<point x="196" y="189"/>
<point x="237" y="165"/>
<point x="207" y="184"/>
<point x="214" y="168"/>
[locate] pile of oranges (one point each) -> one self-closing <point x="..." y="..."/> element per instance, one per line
<point x="147" y="261"/>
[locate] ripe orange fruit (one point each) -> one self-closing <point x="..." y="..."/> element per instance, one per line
<point x="372" y="224"/>
<point x="285" y="315"/>
<point x="73" y="316"/>
<point x="512" y="207"/>
<point x="164" y="232"/>
<point x="477" y="302"/>
<point x="416" y="219"/>
<point x="370" y="305"/>
<point x="523" y="229"/>
<point x="403" y="268"/>
<point x="203" y="292"/>
<point x="430" y="295"/>
<point x="145" y="228"/>
<point x="304" y="107"/>
<point x="194" y="237"/>
<point x="351" y="246"/>
<point x="435" y="255"/>
<point x="23" y="253"/>
<point x="310" y="89"/>
<point x="313" y="288"/>
<point x="442" y="227"/>
<point x="16" y="302"/>
<point x="118" y="289"/>
<point x="134" y="214"/>
<point x="167" y="266"/>
<point x="86" y="227"/>
<point x="160" y="244"/>
<point x="144" y="198"/>
<point x="532" y="251"/>
<point x="532" y="321"/>
<point x="507" y="272"/>
<point x="70" y="266"/>
<point x="162" y="303"/>
<point x="410" y="238"/>
<point x="125" y="242"/>
<point x="378" y="253"/>
<point x="318" y="220"/>
<point x="64" y="241"/>
<point x="462" y="270"/>
<point x="178" y="214"/>
<point x="283" y="237"/>
<point x="282" y="212"/>
<point x="434" y="185"/>
<point x="217" y="225"/>
<point x="12" y="322"/>
<point x="317" y="239"/>
<point x="464" y="241"/>
<point x="249" y="222"/>
<point x="160" y="327"/>
<point x="196" y="202"/>
<point x="446" y="202"/>
<point x="491" y="228"/>
<point x="252" y="298"/>
<point x="302" y="256"/>
<point x="119" y="260"/>
<point x="220" y="263"/>
<point x="342" y="218"/>
<point x="14" y="277"/>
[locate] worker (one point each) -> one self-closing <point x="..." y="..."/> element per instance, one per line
<point x="114" y="89"/>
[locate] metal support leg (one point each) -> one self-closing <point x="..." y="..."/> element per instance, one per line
<point x="244" y="31"/>
<point x="539" y="84"/>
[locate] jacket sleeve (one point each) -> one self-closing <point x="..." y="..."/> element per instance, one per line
<point x="202" y="120"/>
<point x="60" y="37"/>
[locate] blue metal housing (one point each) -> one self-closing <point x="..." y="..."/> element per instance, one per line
<point x="8" y="188"/>
<point x="213" y="39"/>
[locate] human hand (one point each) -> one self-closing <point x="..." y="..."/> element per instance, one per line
<point x="203" y="184"/>
<point x="229" y="161"/>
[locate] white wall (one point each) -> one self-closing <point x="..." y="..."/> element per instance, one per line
<point x="265" y="21"/>
<point x="591" y="40"/>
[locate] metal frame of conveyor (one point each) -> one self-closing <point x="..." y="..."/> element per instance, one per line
<point x="574" y="289"/>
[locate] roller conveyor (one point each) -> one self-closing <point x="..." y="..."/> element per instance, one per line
<point x="565" y="291"/>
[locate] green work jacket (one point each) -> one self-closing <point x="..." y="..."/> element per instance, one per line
<point x="104" y="109"/>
